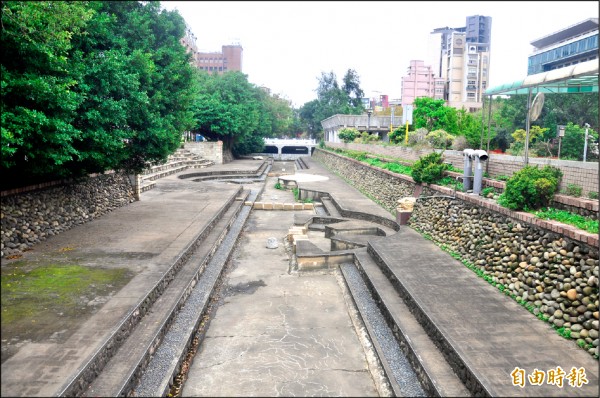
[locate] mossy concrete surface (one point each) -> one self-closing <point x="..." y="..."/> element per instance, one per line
<point x="42" y="300"/>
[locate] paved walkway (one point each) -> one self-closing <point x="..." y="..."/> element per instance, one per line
<point x="490" y="331"/>
<point x="146" y="238"/>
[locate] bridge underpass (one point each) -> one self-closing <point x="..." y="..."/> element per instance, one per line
<point x="286" y="149"/>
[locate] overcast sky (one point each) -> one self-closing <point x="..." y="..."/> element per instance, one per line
<point x="288" y="44"/>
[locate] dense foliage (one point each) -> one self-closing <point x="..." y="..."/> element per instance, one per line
<point x="232" y="109"/>
<point x="91" y="86"/>
<point x="348" y="134"/>
<point x="94" y="86"/>
<point x="571" y="110"/>
<point x="429" y="168"/>
<point x="530" y="188"/>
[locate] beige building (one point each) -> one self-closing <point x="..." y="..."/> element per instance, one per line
<point x="465" y="72"/>
<point x="464" y="62"/>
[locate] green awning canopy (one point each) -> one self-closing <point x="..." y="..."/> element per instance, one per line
<point x="579" y="78"/>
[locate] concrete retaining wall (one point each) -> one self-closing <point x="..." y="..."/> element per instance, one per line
<point x="551" y="266"/>
<point x="208" y="150"/>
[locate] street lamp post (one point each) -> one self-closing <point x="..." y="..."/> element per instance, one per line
<point x="369" y="112"/>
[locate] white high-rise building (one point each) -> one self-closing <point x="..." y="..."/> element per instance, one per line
<point x="464" y="60"/>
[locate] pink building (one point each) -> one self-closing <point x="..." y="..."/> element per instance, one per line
<point x="420" y="81"/>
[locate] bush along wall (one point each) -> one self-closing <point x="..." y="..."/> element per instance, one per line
<point x="31" y="217"/>
<point x="550" y="269"/>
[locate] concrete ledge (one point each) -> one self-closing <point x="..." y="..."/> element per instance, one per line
<point x="282" y="206"/>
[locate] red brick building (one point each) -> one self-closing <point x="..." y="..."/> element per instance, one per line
<point x="230" y="58"/>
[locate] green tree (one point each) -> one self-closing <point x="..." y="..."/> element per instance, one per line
<point x="433" y="114"/>
<point x="332" y="99"/>
<point x="572" y="144"/>
<point x="351" y="86"/>
<point x="92" y="87"/>
<point x="39" y="102"/>
<point x="238" y="112"/>
<point x="227" y="107"/>
<point x="469" y="126"/>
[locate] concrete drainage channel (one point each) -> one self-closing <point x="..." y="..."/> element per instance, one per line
<point x="167" y="370"/>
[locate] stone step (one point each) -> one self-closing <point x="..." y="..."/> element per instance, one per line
<point x="435" y="374"/>
<point x="147" y="185"/>
<point x="116" y="366"/>
<point x="163" y="173"/>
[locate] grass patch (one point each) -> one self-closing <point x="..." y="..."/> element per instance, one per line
<point x="581" y="222"/>
<point x="30" y="294"/>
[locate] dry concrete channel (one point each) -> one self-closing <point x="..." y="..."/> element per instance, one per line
<point x="244" y="292"/>
<point x="274" y="329"/>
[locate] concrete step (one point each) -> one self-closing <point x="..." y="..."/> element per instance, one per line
<point x="163" y="173"/>
<point x="300" y="164"/>
<point x="434" y="373"/>
<point x="481" y="332"/>
<point x="330" y="207"/>
<point x="147" y="185"/>
<point x="118" y="368"/>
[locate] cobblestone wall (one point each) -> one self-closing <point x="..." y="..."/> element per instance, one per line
<point x="548" y="265"/>
<point x="382" y="186"/>
<point x="583" y="174"/>
<point x="30" y="217"/>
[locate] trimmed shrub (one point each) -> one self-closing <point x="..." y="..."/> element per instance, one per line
<point x="530" y="188"/>
<point x="460" y="143"/>
<point x="439" y="139"/>
<point x="429" y="168"/>
<point x="417" y="137"/>
<point x="397" y="136"/>
<point x="348" y="134"/>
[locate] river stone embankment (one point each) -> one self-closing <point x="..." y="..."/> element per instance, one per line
<point x="555" y="274"/>
<point x="30" y="217"/>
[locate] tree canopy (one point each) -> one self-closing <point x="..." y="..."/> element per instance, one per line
<point x="332" y="99"/>
<point x="91" y="86"/>
<point x="94" y="86"/>
<point x="238" y="112"/>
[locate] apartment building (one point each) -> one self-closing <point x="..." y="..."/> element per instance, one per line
<point x="569" y="46"/>
<point x="421" y="81"/>
<point x="463" y="62"/>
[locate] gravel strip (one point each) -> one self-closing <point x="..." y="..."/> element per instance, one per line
<point x="173" y="345"/>
<point x="401" y="369"/>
